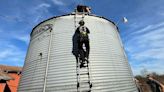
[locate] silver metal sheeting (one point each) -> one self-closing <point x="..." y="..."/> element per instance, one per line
<point x="109" y="68"/>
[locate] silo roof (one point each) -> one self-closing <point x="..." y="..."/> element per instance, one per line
<point x="72" y="14"/>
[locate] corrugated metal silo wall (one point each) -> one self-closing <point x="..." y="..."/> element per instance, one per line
<point x="109" y="68"/>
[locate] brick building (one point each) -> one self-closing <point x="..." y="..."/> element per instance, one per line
<point x="9" y="78"/>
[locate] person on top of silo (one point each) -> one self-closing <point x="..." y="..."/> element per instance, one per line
<point x="83" y="39"/>
<point x="83" y="9"/>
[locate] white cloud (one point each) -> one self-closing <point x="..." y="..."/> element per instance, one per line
<point x="44" y="5"/>
<point x="161" y="13"/>
<point x="145" y="29"/>
<point x="145" y="48"/>
<point x="156" y="54"/>
<point x="148" y="28"/>
<point x="38" y="13"/>
<point x="58" y="2"/>
<point x="22" y="37"/>
<point x="150" y="66"/>
<point x="11" y="54"/>
<point x="15" y="35"/>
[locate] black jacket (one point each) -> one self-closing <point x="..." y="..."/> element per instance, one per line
<point x="78" y="30"/>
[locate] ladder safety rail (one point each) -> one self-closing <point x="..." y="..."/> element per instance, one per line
<point x="81" y="80"/>
<point x="80" y="75"/>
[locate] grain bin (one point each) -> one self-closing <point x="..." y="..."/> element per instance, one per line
<point x="50" y="65"/>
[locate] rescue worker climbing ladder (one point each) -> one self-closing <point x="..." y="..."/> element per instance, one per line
<point x="83" y="40"/>
<point x="83" y="62"/>
<point x="83" y="54"/>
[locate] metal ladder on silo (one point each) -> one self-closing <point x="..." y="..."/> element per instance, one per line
<point x="83" y="77"/>
<point x="75" y="17"/>
<point x="80" y="74"/>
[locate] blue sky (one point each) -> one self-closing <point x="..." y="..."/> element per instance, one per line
<point x="142" y="36"/>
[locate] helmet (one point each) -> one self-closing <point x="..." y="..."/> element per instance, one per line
<point x="81" y="22"/>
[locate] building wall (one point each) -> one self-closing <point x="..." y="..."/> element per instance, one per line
<point x="109" y="68"/>
<point x="13" y="84"/>
<point x="9" y="78"/>
<point x="2" y="87"/>
<point x="10" y="85"/>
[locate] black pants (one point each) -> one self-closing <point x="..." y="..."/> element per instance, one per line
<point x="82" y="52"/>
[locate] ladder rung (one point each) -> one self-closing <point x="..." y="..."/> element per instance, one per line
<point x="86" y="91"/>
<point x="83" y="82"/>
<point x="84" y="66"/>
<point x="84" y="74"/>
